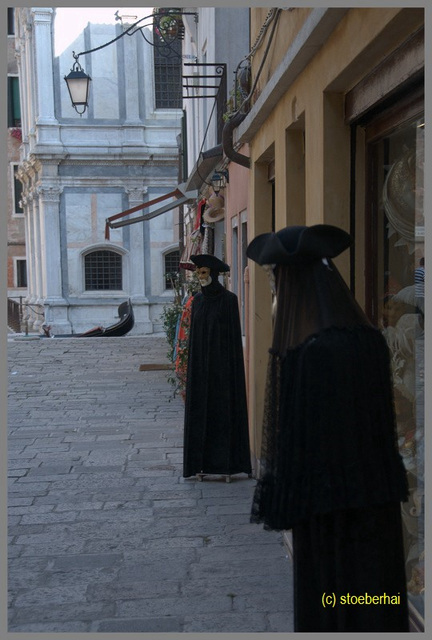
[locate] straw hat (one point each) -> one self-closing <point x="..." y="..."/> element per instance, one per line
<point x="215" y="211"/>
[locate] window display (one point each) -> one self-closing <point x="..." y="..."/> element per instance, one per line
<point x="397" y="306"/>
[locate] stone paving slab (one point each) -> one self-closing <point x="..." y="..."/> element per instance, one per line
<point x="105" y="536"/>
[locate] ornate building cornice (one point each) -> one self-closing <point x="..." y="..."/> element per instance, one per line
<point x="119" y="161"/>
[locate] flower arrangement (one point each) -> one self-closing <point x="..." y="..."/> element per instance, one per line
<point x="16" y="133"/>
<point x="168" y="24"/>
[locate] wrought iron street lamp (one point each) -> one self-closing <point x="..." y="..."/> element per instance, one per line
<point x="219" y="180"/>
<point x="167" y="29"/>
<point x="78" y="84"/>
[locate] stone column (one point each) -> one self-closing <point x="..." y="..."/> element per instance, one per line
<point x="27" y="204"/>
<point x="55" y="304"/>
<point x="38" y="292"/>
<point x="38" y="299"/>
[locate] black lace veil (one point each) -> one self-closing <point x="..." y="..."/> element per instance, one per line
<point x="311" y="297"/>
<point x="329" y="438"/>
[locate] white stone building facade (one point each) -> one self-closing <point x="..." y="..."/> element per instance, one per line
<point x="79" y="170"/>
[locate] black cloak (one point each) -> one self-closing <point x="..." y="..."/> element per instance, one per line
<point x="330" y="468"/>
<point x="216" y="435"/>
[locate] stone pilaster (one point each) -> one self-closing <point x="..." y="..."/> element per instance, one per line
<point x="44" y="66"/>
<point x="132" y="81"/>
<point x="50" y="250"/>
<point x="47" y="129"/>
<point x="27" y="205"/>
<point x="38" y="290"/>
<point x="49" y="199"/>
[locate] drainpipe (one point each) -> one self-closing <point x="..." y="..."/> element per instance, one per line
<point x="227" y="140"/>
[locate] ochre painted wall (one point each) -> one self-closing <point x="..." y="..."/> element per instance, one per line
<point x="307" y="139"/>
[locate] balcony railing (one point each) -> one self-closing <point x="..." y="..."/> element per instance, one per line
<point x="18" y="321"/>
<point x="15" y="314"/>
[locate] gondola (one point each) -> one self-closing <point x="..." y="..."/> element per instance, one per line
<point x="120" y="328"/>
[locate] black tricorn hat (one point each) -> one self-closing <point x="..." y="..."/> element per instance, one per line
<point x="299" y="244"/>
<point x="207" y="260"/>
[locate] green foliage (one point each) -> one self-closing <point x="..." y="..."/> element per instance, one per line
<point x="170" y="315"/>
<point x="233" y="102"/>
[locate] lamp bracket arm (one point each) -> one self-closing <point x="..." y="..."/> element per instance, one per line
<point x="106" y="44"/>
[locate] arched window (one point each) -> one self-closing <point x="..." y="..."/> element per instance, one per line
<point x="103" y="270"/>
<point x="172" y="260"/>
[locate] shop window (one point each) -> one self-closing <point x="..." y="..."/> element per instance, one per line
<point x="171" y="268"/>
<point x="103" y="271"/>
<point x="14" y="109"/>
<point x="396" y="303"/>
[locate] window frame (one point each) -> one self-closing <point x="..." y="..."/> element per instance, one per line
<point x="17" y="284"/>
<point x="11" y="21"/>
<point x="15" y="201"/>
<point x="103" y="291"/>
<point x="400" y="114"/>
<point x="160" y="61"/>
<point x="170" y="250"/>
<point x="13" y="98"/>
<point x="405" y="110"/>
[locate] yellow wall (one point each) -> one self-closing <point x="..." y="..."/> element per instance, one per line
<point x="306" y="136"/>
<point x="288" y="25"/>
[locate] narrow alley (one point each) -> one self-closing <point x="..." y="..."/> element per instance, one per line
<point x="105" y="533"/>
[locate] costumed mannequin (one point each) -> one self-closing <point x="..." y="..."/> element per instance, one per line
<point x="330" y="468"/>
<point x="216" y="436"/>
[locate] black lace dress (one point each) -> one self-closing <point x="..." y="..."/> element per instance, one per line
<point x="330" y="468"/>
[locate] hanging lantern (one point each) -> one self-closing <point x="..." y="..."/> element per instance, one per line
<point x="78" y="84"/>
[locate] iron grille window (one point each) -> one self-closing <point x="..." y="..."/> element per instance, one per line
<point x="103" y="270"/>
<point x="168" y="89"/>
<point x="172" y="261"/>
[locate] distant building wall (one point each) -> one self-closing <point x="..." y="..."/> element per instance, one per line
<point x="79" y="170"/>
<point x="16" y="243"/>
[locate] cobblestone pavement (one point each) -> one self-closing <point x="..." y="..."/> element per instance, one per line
<point x="104" y="533"/>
